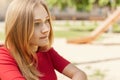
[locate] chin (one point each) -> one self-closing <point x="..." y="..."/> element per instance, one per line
<point x="44" y="44"/>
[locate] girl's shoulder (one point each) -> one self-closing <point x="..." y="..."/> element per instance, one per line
<point x="3" y="49"/>
<point x="52" y="49"/>
<point x="5" y="56"/>
<point x="4" y="52"/>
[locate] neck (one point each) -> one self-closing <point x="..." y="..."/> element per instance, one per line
<point x="34" y="48"/>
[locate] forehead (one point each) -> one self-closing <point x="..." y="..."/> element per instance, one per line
<point x="40" y="12"/>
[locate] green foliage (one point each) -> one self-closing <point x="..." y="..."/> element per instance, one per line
<point x="62" y="4"/>
<point x="84" y="4"/>
<point x="81" y="5"/>
<point x="103" y="2"/>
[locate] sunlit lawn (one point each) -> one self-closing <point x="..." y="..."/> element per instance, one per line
<point x="2" y="36"/>
<point x="71" y="29"/>
<point x="69" y="34"/>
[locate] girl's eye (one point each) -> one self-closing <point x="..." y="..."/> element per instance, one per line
<point x="38" y="24"/>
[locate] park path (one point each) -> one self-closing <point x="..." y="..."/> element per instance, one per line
<point x="100" y="56"/>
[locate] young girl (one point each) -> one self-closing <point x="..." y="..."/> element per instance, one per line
<point x="27" y="53"/>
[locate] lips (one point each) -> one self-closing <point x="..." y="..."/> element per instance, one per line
<point x="43" y="37"/>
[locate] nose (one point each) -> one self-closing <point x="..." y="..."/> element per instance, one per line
<point x="45" y="28"/>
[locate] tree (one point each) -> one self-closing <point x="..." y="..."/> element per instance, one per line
<point x="82" y="5"/>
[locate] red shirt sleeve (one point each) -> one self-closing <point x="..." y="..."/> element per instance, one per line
<point x="8" y="66"/>
<point x="58" y="61"/>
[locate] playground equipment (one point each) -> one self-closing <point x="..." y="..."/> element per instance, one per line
<point x="99" y="30"/>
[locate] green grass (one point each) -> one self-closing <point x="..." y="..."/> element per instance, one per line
<point x="116" y="28"/>
<point x="71" y="30"/>
<point x="83" y="28"/>
<point x="79" y="30"/>
<point x="69" y="34"/>
<point x="2" y="36"/>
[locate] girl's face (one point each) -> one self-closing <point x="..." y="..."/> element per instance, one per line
<point x="40" y="37"/>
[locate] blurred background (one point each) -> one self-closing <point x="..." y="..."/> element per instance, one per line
<point x="87" y="33"/>
<point x="75" y="9"/>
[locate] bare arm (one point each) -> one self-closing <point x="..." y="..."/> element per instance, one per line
<point x="74" y="73"/>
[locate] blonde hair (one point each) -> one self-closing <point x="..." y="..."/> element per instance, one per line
<point x="19" y="24"/>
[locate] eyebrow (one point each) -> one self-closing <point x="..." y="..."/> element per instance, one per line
<point x="40" y="20"/>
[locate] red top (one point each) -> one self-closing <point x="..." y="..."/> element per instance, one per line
<point x="47" y="63"/>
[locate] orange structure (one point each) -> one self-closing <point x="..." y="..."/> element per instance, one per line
<point x="99" y="30"/>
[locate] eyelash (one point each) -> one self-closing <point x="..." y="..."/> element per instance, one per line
<point x="40" y="23"/>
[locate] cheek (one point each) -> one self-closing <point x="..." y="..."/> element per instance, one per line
<point x="34" y="37"/>
<point x="32" y="40"/>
